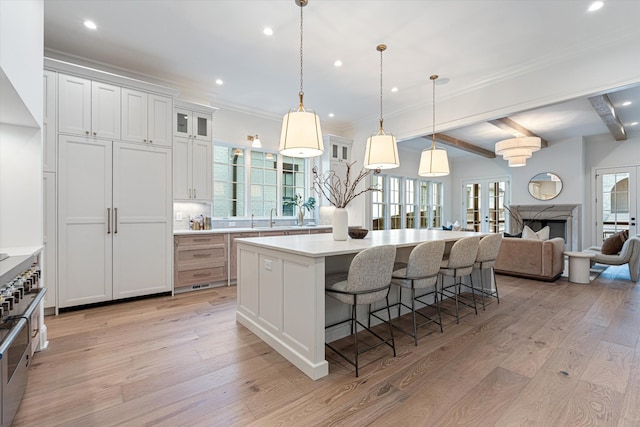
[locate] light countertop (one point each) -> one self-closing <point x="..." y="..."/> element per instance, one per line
<point x="249" y="229"/>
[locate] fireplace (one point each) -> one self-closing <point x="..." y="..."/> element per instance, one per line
<point x="563" y="221"/>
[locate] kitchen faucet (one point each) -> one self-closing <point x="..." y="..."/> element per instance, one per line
<point x="271" y="221"/>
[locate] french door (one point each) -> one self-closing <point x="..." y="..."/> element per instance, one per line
<point x="483" y="205"/>
<point x="616" y="201"/>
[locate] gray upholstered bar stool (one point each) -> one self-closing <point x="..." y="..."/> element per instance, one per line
<point x="367" y="281"/>
<point x="458" y="264"/>
<point x="420" y="272"/>
<point x="485" y="260"/>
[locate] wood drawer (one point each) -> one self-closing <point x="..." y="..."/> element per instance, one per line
<point x="204" y="275"/>
<point x="188" y="259"/>
<point x="320" y="231"/>
<point x="201" y="239"/>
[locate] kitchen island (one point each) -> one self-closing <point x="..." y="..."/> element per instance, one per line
<point x="281" y="294"/>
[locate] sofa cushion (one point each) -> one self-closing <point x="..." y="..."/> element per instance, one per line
<point x="528" y="233"/>
<point x="614" y="243"/>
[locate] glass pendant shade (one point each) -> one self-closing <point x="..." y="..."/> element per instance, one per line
<point x="301" y="135"/>
<point x="381" y="152"/>
<point x="434" y="162"/>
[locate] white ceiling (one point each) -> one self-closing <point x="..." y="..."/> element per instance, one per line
<point x="188" y="44"/>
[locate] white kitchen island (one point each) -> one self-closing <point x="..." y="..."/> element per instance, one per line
<point x="281" y="295"/>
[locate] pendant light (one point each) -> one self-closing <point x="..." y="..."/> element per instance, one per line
<point x="434" y="161"/>
<point x="517" y="150"/>
<point x="382" y="150"/>
<point x="301" y="135"/>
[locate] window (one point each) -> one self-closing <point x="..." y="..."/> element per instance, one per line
<point x="228" y="182"/>
<point x="293" y="182"/>
<point x="377" y="203"/>
<point x="394" y="203"/>
<point x="430" y="204"/>
<point x="409" y="204"/>
<point x="264" y="183"/>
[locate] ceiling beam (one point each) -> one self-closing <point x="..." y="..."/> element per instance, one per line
<point x="462" y="145"/>
<point x="508" y="125"/>
<point x="605" y="109"/>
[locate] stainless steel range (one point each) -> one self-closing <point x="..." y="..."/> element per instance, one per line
<point x="20" y="297"/>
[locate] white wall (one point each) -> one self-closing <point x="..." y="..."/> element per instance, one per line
<point x="21" y="50"/>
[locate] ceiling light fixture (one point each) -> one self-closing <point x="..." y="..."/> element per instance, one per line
<point x="382" y="150"/>
<point x="633" y="124"/>
<point x="255" y="141"/>
<point x="394" y="89"/>
<point x="626" y="103"/>
<point x="267" y="31"/>
<point x="90" y="24"/>
<point x="596" y="5"/>
<point x="434" y="161"/>
<point x="301" y="135"/>
<point x="338" y="63"/>
<point x="219" y="82"/>
<point x="517" y="150"/>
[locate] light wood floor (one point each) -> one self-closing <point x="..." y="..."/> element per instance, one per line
<point x="550" y="354"/>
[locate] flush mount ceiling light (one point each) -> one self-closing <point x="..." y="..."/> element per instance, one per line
<point x="90" y="24"/>
<point x="382" y="149"/>
<point x="301" y="135"/>
<point x="517" y="150"/>
<point x="255" y="141"/>
<point x="596" y="5"/>
<point x="434" y="161"/>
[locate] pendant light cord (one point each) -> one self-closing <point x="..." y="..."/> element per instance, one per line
<point x="381" y="50"/>
<point x="433" y="134"/>
<point x="301" y="27"/>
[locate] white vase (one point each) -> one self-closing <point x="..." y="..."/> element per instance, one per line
<point x="340" y="224"/>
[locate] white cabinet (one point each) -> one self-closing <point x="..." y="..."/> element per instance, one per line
<point x="49" y="140"/>
<point x="50" y="263"/>
<point x="114" y="220"/>
<point x="146" y="117"/>
<point x="88" y="107"/>
<point x="193" y="124"/>
<point x="192" y="169"/>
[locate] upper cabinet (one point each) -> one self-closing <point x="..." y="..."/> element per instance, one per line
<point x="88" y="108"/>
<point x="146" y="118"/>
<point x="49" y="139"/>
<point x="193" y="124"/>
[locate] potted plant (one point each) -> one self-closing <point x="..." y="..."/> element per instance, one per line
<point x="302" y="205"/>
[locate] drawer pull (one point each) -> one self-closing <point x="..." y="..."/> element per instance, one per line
<point x="202" y="275"/>
<point x="201" y="240"/>
<point x="201" y="255"/>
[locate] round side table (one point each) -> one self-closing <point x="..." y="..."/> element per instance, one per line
<point x="579" y="263"/>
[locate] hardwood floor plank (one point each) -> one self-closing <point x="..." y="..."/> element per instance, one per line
<point x="591" y="405"/>
<point x="606" y="306"/>
<point x="630" y="413"/>
<point x="610" y="366"/>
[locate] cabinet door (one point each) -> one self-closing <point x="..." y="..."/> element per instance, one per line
<point x="49" y="268"/>
<point x="105" y="110"/>
<point x="181" y="169"/>
<point x="182" y="123"/>
<point x="74" y="105"/>
<point x="49" y="139"/>
<point x="134" y="115"/>
<point x="159" y="120"/>
<point x="201" y="173"/>
<point x="233" y="256"/>
<point x="142" y="237"/>
<point x="201" y="126"/>
<point x="84" y="229"/>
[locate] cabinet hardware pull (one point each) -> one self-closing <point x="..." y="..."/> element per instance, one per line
<point x="144" y="140"/>
<point x="108" y="220"/>
<point x="201" y="255"/>
<point x="201" y="240"/>
<point x="202" y="275"/>
<point x="150" y="142"/>
<point x="194" y="194"/>
<point x="94" y="134"/>
<point x="87" y="132"/>
<point x="190" y="192"/>
<point x="115" y="220"/>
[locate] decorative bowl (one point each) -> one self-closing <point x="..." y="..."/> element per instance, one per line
<point x="358" y="233"/>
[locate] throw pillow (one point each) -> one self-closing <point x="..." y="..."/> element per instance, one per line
<point x="528" y="233"/>
<point x="613" y="244"/>
<point x="449" y="228"/>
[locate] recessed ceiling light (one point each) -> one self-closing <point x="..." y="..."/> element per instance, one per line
<point x="219" y="82"/>
<point x="268" y="31"/>
<point x="633" y="124"/>
<point x="595" y="6"/>
<point x="626" y="103"/>
<point x="338" y="63"/>
<point x="331" y="114"/>
<point x="90" y="24"/>
<point x="394" y="89"/>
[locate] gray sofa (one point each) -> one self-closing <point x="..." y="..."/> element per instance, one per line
<point x="532" y="259"/>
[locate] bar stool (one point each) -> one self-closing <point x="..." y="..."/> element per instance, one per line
<point x="367" y="281"/>
<point x="421" y="272"/>
<point x="458" y="264"/>
<point x="485" y="260"/>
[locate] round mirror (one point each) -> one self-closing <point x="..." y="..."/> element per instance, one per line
<point x="545" y="186"/>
